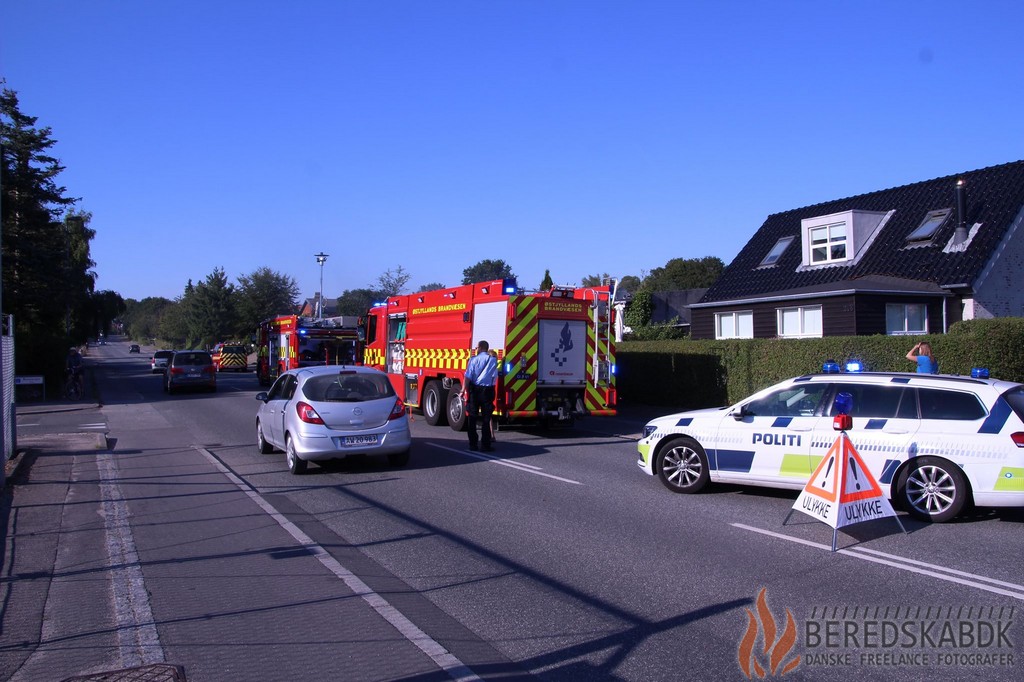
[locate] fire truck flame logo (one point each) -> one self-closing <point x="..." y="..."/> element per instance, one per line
<point x="774" y="650"/>
<point x="561" y="354"/>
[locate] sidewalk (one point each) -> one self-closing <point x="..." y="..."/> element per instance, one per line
<point x="55" y="623"/>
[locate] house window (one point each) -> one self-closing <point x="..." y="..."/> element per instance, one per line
<point x="906" y="318"/>
<point x="801" y="322"/>
<point x="828" y="243"/>
<point x="735" y="325"/>
<point x="929" y="226"/>
<point x="776" y="253"/>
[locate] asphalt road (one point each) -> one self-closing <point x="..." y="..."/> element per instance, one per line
<point x="555" y="557"/>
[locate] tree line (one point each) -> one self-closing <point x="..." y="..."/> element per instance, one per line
<point x="48" y="284"/>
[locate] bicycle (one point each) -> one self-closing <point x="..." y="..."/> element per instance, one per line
<point x="73" y="386"/>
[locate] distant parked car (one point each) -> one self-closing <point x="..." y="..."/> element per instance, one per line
<point x="134" y="348"/>
<point x="158" y="363"/>
<point x="329" y="412"/>
<point x="190" y="369"/>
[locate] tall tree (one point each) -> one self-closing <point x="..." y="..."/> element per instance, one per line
<point x="547" y="282"/>
<point x="35" y="242"/>
<point x="262" y="294"/>
<point x="393" y="282"/>
<point x="487" y="270"/>
<point x="212" y="314"/>
<point x="685" y="273"/>
<point x="430" y="286"/>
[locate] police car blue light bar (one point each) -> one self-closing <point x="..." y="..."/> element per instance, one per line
<point x="854" y="366"/>
<point x="830" y="367"/>
<point x="979" y="372"/>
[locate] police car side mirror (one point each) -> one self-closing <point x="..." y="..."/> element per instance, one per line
<point x="740" y="413"/>
<point x="262" y="396"/>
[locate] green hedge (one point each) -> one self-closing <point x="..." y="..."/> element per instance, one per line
<point x="691" y="374"/>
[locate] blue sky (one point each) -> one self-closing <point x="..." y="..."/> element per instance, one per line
<point x="580" y="137"/>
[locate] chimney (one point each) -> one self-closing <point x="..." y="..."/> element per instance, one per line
<point x="960" y="234"/>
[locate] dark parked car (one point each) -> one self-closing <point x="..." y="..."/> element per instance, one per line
<point x="190" y="369"/>
<point x="134" y="348"/>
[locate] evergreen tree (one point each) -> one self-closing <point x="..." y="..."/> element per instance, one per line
<point x="212" y="313"/>
<point x="547" y="282"/>
<point x="263" y="294"/>
<point x="42" y="284"/>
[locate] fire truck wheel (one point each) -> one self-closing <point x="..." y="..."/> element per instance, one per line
<point x="456" y="410"/>
<point x="435" y="404"/>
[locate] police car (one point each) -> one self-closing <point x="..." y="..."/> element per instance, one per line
<point x="933" y="442"/>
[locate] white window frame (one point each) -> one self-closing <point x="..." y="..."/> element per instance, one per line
<point x="830" y="243"/>
<point x="736" y="315"/>
<point x="906" y="319"/>
<point x="802" y="311"/>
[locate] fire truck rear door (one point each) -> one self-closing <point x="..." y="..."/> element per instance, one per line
<point x="490" y="320"/>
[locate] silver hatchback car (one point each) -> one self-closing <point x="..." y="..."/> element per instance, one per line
<point x="330" y="412"/>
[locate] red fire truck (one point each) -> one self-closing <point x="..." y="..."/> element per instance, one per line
<point x="556" y="354"/>
<point x="289" y="341"/>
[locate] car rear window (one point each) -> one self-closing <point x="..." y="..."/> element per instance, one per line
<point x="1015" y="396"/>
<point x="181" y="359"/>
<point x="939" y="404"/>
<point x="348" y="387"/>
<point x="163" y="354"/>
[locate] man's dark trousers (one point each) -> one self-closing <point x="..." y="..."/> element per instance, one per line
<point x="481" y="406"/>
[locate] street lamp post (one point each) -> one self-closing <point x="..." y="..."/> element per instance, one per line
<point x="321" y="258"/>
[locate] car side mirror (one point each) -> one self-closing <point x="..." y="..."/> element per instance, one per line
<point x="740" y="413"/>
<point x="262" y="396"/>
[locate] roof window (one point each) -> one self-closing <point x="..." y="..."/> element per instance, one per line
<point x="776" y="253"/>
<point x="929" y="226"/>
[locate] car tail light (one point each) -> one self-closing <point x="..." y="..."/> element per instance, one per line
<point x="1018" y="439"/>
<point x="398" y="411"/>
<point x="177" y="370"/>
<point x="307" y="413"/>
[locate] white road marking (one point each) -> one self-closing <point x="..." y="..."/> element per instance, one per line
<point x="442" y="657"/>
<point x="138" y="639"/>
<point x="521" y="466"/>
<point x="941" y="572"/>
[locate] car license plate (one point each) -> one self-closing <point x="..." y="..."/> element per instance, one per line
<point x="194" y="374"/>
<point x="349" y="441"/>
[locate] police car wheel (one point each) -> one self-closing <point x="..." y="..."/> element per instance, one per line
<point x="932" y="489"/>
<point x="683" y="466"/>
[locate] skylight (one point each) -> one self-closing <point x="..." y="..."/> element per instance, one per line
<point x="929" y="226"/>
<point x="776" y="253"/>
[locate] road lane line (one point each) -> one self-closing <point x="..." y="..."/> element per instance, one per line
<point x="940" y="572"/>
<point x="447" y="661"/>
<point x="138" y="639"/>
<point x="527" y="468"/>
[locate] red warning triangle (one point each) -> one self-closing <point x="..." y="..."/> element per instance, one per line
<point x="858" y="483"/>
<point x="824" y="482"/>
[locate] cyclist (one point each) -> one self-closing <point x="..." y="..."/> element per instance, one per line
<point x="73" y="372"/>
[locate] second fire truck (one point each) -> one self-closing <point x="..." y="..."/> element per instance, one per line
<point x="555" y="349"/>
<point x="289" y="341"/>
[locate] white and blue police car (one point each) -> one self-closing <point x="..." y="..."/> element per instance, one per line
<point x="935" y="443"/>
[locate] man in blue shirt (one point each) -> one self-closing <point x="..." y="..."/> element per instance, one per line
<point x="481" y="374"/>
